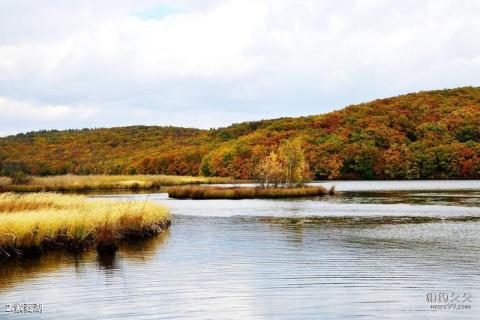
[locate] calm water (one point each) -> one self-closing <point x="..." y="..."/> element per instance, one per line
<point x="361" y="255"/>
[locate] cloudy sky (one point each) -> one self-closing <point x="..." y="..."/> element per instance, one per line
<point x="91" y="63"/>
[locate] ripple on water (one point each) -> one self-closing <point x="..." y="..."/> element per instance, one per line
<point x="267" y="259"/>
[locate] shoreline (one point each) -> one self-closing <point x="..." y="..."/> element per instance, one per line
<point x="77" y="183"/>
<point x="106" y="183"/>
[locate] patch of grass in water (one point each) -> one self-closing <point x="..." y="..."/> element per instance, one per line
<point x="206" y="192"/>
<point x="32" y="223"/>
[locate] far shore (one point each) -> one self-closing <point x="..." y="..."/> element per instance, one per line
<point x="161" y="183"/>
<point x="77" y="183"/>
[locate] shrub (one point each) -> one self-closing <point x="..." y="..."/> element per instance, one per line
<point x="20" y="177"/>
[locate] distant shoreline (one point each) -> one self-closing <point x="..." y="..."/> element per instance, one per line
<point x="105" y="183"/>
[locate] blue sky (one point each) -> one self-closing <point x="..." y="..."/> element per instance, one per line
<point x="210" y="63"/>
<point x="158" y="12"/>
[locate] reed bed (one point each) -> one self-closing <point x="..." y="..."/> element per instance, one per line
<point x="199" y="192"/>
<point x="34" y="222"/>
<point x="5" y="181"/>
<point x="104" y="182"/>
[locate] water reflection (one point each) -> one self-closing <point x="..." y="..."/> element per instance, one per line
<point x="365" y="204"/>
<point x="143" y="250"/>
<point x="469" y="198"/>
<point x="16" y="271"/>
<point x="249" y="267"/>
<point x="108" y="261"/>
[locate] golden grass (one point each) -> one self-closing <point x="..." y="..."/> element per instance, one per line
<point x="198" y="192"/>
<point x="5" y="180"/>
<point x="45" y="219"/>
<point x="104" y="182"/>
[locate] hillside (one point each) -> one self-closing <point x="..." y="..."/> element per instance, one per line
<point x="433" y="134"/>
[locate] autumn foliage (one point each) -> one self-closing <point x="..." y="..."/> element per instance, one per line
<point x="426" y="135"/>
<point x="284" y="167"/>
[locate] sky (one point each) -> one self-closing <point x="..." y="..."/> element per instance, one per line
<point x="205" y="64"/>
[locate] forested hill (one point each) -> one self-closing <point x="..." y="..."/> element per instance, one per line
<point x="433" y="134"/>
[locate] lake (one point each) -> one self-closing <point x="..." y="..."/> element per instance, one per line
<point x="381" y="249"/>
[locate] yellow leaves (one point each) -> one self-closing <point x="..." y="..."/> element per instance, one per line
<point x="271" y="170"/>
<point x="332" y="167"/>
<point x="287" y="167"/>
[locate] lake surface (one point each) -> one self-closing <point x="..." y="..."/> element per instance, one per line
<point x="368" y="253"/>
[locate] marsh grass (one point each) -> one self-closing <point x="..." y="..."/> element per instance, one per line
<point x="103" y="182"/>
<point x="5" y="181"/>
<point x="34" y="222"/>
<point x="206" y="192"/>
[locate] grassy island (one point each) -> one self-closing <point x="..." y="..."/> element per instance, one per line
<point x="200" y="192"/>
<point x="32" y="223"/>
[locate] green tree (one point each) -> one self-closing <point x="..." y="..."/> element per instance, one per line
<point x="18" y="171"/>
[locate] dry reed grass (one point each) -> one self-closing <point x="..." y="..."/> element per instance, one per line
<point x="104" y="182"/>
<point x="37" y="221"/>
<point x="198" y="192"/>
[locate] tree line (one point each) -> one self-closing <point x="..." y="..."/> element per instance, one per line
<point x="425" y="135"/>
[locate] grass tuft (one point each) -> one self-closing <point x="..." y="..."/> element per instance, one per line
<point x="39" y="221"/>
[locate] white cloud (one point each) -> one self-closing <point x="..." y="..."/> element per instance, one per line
<point x="16" y="110"/>
<point x="264" y="58"/>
